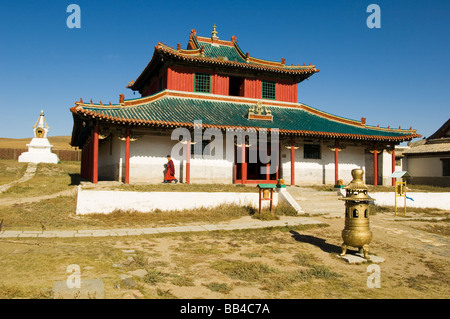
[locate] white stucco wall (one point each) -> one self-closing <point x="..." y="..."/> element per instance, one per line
<point x="110" y="153"/>
<point x="423" y="200"/>
<point x="321" y="171"/>
<point x="386" y="167"/>
<point x="95" y="201"/>
<point x="424" y="166"/>
<point x="148" y="156"/>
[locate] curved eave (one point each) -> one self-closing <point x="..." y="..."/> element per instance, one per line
<point x="142" y="122"/>
<point x="306" y="70"/>
<point x="194" y="56"/>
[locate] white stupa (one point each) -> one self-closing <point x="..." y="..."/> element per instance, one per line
<point x="39" y="149"/>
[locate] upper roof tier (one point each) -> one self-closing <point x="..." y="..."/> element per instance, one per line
<point x="211" y="52"/>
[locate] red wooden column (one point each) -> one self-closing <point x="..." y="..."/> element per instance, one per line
<point x="375" y="166"/>
<point x="393" y="166"/>
<point x="127" y="157"/>
<point x="188" y="161"/>
<point x="292" y="162"/>
<point x="336" y="162"/>
<point x="95" y="156"/>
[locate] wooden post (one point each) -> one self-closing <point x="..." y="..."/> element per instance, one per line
<point x="188" y="160"/>
<point x="336" y="162"/>
<point x="127" y="156"/>
<point x="393" y="166"/>
<point x="292" y="162"/>
<point x="95" y="156"/>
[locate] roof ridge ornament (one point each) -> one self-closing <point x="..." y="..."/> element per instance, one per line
<point x="259" y="112"/>
<point x="214" y="33"/>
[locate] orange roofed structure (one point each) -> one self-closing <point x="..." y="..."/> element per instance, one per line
<point x="213" y="82"/>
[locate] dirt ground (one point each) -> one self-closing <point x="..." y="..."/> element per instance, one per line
<point x="263" y="264"/>
<point x="416" y="261"/>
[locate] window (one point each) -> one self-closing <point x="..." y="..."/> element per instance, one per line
<point x="204" y="149"/>
<point x="445" y="166"/>
<point x="268" y="90"/>
<point x="202" y="83"/>
<point x="311" y="151"/>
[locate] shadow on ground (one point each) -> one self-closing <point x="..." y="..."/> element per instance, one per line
<point x="319" y="242"/>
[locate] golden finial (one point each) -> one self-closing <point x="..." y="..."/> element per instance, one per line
<point x="214" y="32"/>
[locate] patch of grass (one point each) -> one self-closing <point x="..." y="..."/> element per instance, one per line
<point x="434" y="228"/>
<point x="219" y="287"/>
<point x="165" y="294"/>
<point x="323" y="188"/>
<point x="283" y="280"/>
<point x="154" y="276"/>
<point x="199" y="248"/>
<point x="59" y="213"/>
<point x="122" y="218"/>
<point x="181" y="281"/>
<point x="49" y="179"/>
<point x="282" y="209"/>
<point x="252" y="255"/>
<point x="319" y="272"/>
<point x="55" y="213"/>
<point x="242" y="270"/>
<point x="11" y="170"/>
<point x="304" y="259"/>
<point x="14" y="292"/>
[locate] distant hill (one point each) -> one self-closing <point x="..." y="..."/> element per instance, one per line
<point x="58" y="142"/>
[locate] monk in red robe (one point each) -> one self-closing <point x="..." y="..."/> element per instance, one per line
<point x="170" y="171"/>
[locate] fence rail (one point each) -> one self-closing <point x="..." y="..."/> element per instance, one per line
<point x="63" y="155"/>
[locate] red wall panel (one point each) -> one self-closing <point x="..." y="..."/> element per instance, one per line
<point x="180" y="79"/>
<point x="287" y="92"/>
<point x="252" y="88"/>
<point x="220" y="84"/>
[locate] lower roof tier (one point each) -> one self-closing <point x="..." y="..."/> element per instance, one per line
<point x="182" y="109"/>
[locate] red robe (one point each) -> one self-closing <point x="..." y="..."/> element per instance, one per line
<point x="170" y="173"/>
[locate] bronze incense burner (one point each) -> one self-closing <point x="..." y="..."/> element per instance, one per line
<point x="356" y="232"/>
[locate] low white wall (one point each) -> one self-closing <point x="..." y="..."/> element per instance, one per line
<point x="422" y="200"/>
<point x="94" y="201"/>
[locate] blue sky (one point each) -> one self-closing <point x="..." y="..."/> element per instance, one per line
<point x="396" y="75"/>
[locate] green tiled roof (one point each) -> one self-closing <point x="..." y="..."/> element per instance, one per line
<point x="220" y="51"/>
<point x="183" y="111"/>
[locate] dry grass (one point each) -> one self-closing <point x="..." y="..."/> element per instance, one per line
<point x="59" y="214"/>
<point x="11" y="170"/>
<point x="220" y="264"/>
<point x="58" y="142"/>
<point x="253" y="263"/>
<point x="49" y="179"/>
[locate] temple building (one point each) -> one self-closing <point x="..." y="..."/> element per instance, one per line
<point x="428" y="160"/>
<point x="213" y="84"/>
